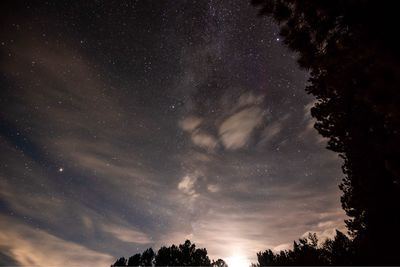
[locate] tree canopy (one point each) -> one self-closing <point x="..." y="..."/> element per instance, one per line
<point x="185" y="254"/>
<point x="352" y="53"/>
<point x="307" y="251"/>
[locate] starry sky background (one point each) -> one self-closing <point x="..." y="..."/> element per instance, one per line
<point x="131" y="124"/>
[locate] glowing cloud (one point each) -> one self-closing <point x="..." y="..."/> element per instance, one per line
<point x="236" y="130"/>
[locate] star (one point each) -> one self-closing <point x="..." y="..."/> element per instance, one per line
<point x="61" y="169"/>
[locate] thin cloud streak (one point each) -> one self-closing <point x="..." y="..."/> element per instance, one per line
<point x="33" y="247"/>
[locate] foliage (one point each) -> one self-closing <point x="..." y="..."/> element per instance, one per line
<point x="185" y="254"/>
<point x="306" y="251"/>
<point x="120" y="262"/>
<point x="219" y="263"/>
<point x="352" y="53"/>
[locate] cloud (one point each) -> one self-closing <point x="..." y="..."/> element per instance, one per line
<point x="129" y="235"/>
<point x="189" y="124"/>
<point x="213" y="188"/>
<point x="236" y="130"/>
<point x="87" y="222"/>
<point x="237" y="117"/>
<point x="284" y="246"/>
<point x="309" y="132"/>
<point x="308" y="107"/>
<point x="187" y="184"/>
<point x="35" y="247"/>
<point x="204" y="140"/>
<point x="329" y="223"/>
<point x="270" y="132"/>
<point x="199" y="138"/>
<point x="249" y="99"/>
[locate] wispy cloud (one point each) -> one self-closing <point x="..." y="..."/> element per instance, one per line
<point x="204" y="140"/>
<point x="187" y="184"/>
<point x="34" y="247"/>
<point x="234" y="124"/>
<point x="236" y="130"/>
<point x="125" y="234"/>
<point x="189" y="124"/>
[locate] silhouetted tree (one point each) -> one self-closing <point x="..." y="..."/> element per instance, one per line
<point x="219" y="263"/>
<point x="306" y="251"/>
<point x="352" y="52"/>
<point x="120" y="262"/>
<point x="339" y="251"/>
<point x="267" y="258"/>
<point x="168" y="256"/>
<point x="185" y="254"/>
<point x="147" y="257"/>
<point x="192" y="256"/>
<point x="134" y="260"/>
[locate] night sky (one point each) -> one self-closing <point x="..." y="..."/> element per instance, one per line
<point x="133" y="124"/>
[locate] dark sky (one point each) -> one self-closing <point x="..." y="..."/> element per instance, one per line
<point x="130" y="124"/>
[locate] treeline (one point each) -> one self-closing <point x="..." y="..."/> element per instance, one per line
<point x="338" y="251"/>
<point x="185" y="254"/>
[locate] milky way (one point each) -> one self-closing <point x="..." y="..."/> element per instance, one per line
<point x="131" y="124"/>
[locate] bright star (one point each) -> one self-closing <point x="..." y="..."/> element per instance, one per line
<point x="61" y="169"/>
